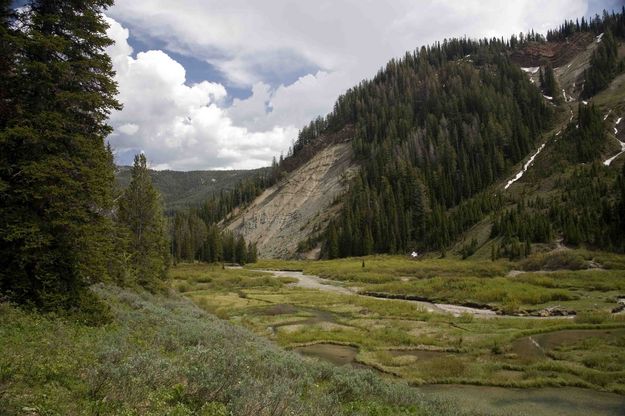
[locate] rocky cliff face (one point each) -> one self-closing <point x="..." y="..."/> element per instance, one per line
<point x="557" y="53"/>
<point x="299" y="206"/>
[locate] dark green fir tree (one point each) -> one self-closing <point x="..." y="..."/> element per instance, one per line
<point x="56" y="175"/>
<point x="141" y="213"/>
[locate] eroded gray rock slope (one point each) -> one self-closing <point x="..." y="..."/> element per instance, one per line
<point x="299" y="206"/>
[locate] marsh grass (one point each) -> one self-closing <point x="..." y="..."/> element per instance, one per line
<point x="189" y="277"/>
<point x="497" y="291"/>
<point x="481" y="282"/>
<point x="483" y="346"/>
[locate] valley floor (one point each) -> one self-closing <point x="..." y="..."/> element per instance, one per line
<point x="163" y="355"/>
<point x="324" y="313"/>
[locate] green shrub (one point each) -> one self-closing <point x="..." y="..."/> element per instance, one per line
<point x="558" y="260"/>
<point x="164" y="356"/>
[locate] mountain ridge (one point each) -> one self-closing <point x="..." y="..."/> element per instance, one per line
<point x="438" y="134"/>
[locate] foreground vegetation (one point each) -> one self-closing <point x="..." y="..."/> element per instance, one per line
<point x="164" y="356"/>
<point x="403" y="339"/>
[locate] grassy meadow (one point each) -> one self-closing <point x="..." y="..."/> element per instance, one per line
<point x="401" y="339"/>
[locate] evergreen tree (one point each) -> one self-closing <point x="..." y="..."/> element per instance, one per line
<point x="56" y="177"/>
<point x="252" y="253"/>
<point x="332" y="242"/>
<point x="141" y="212"/>
<point x="8" y="40"/>
<point x="550" y="85"/>
<point x="603" y="66"/>
<point x="240" y="251"/>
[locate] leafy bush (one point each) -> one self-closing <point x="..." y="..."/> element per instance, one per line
<point x="558" y="260"/>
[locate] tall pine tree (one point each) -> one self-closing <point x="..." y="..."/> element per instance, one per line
<point x="56" y="175"/>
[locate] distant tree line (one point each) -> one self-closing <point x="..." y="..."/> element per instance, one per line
<point x="589" y="211"/>
<point x="604" y="66"/>
<point x="549" y="84"/>
<point x="614" y="22"/>
<point x="193" y="239"/>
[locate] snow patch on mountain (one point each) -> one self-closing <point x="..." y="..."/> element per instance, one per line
<point x="531" y="70"/>
<point x="519" y="175"/>
<point x="609" y="161"/>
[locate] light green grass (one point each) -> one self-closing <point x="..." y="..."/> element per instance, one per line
<point x="483" y="353"/>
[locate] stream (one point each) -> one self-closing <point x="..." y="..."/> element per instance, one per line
<point x="497" y="401"/>
<point x="315" y="282"/>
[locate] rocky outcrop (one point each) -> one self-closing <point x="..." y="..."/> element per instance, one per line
<point x="557" y="53"/>
<point x="298" y="207"/>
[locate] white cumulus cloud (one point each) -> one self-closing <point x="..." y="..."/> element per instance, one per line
<point x="179" y="126"/>
<point x="295" y="57"/>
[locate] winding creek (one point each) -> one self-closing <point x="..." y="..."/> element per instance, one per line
<point x="547" y="401"/>
<point x="315" y="282"/>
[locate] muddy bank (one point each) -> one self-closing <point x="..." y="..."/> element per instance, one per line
<point x="336" y="354"/>
<point x="472" y="308"/>
<point x="340" y="355"/>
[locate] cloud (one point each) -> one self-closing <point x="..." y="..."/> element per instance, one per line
<point x="251" y="41"/>
<point x="295" y="57"/>
<point x="179" y="126"/>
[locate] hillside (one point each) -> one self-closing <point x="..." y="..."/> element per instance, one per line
<point x="449" y="139"/>
<point x="299" y="206"/>
<point x="162" y="355"/>
<point x="571" y="182"/>
<point x="182" y="189"/>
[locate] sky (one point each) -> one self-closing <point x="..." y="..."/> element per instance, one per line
<point x="227" y="84"/>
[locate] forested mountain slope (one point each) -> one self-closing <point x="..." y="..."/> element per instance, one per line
<point x="180" y="189"/>
<point x="439" y="133"/>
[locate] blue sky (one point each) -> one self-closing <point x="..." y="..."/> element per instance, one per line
<point x="214" y="84"/>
